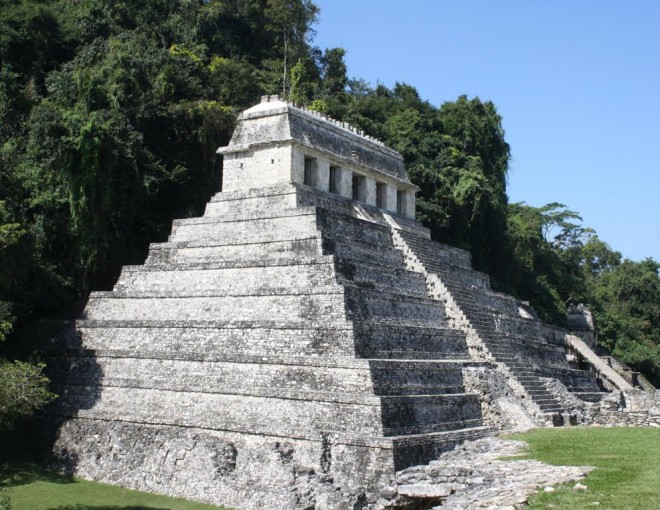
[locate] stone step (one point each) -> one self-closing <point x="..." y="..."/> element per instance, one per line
<point x="172" y="292"/>
<point x="389" y="279"/>
<point x="415" y="341"/>
<point x="536" y="387"/>
<point x="253" y="193"/>
<point x="464" y="284"/>
<point x="381" y="377"/>
<point x="429" y="413"/>
<point x="433" y="428"/>
<point x="368" y="303"/>
<point x="363" y="251"/>
<point x="574" y="380"/>
<point x="551" y="408"/>
<point x="226" y="206"/>
<point x="247" y="217"/>
<point x="530" y="382"/>
<point x="316" y="303"/>
<point x="443" y="253"/>
<point x="208" y="279"/>
<point x="248" y="342"/>
<point x="208" y="263"/>
<point x="527" y="357"/>
<point x="506" y="338"/>
<point x="524" y="345"/>
<point x="524" y="374"/>
<point x="417" y="449"/>
<point x="234" y="255"/>
<point x="590" y="396"/>
<point x="520" y="326"/>
<point x="393" y="377"/>
<point x="234" y="377"/>
<point x="545" y="399"/>
<point x="230" y="281"/>
<point x="259" y="411"/>
<point x="284" y="228"/>
<point x="485" y="302"/>
<point x="347" y="229"/>
<point x="537" y="391"/>
<point x="204" y="339"/>
<point x="317" y="307"/>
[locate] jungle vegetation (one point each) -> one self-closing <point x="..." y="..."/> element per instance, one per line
<point x="110" y="115"/>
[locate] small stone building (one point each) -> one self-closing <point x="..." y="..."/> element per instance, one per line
<point x="303" y="340"/>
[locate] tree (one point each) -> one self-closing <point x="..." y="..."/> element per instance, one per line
<point x="10" y="233"/>
<point x="333" y="72"/>
<point x="33" y="41"/>
<point x="304" y="85"/>
<point x="598" y="257"/>
<point x="463" y="176"/>
<point x="23" y="390"/>
<point x="627" y="302"/>
<point x="544" y="267"/>
<point x="291" y="20"/>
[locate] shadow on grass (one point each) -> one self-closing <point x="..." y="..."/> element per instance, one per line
<point x="91" y="507"/>
<point x="14" y="474"/>
<point x="105" y="507"/>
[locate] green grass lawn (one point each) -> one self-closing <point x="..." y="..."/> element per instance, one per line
<point x="628" y="462"/>
<point x="30" y="487"/>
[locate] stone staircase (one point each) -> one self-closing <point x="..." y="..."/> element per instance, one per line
<point x="635" y="379"/>
<point x="518" y="342"/>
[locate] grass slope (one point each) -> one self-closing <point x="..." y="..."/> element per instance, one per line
<point x="628" y="462"/>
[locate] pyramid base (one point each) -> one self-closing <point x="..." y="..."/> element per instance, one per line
<point x="239" y="470"/>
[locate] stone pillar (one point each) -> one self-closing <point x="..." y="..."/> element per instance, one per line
<point x="405" y="205"/>
<point x="409" y="207"/>
<point x="297" y="166"/>
<point x="390" y="198"/>
<point x="368" y="190"/>
<point x="321" y="177"/>
<point x="345" y="182"/>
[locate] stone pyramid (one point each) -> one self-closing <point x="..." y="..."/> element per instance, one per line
<point x="301" y="341"/>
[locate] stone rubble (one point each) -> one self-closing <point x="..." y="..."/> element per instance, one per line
<point x="475" y="475"/>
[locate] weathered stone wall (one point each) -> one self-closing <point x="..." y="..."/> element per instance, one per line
<point x="241" y="470"/>
<point x="630" y="408"/>
<point x="251" y="168"/>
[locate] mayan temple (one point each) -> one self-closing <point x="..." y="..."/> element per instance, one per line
<point x="305" y="338"/>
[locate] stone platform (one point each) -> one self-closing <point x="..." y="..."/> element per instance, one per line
<point x="302" y="341"/>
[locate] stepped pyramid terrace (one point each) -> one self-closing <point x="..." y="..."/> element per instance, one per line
<point x="305" y="338"/>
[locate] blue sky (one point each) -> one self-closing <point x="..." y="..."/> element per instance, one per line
<point x="576" y="82"/>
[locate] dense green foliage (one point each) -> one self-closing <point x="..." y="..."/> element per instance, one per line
<point x="111" y="112"/>
<point x="556" y="261"/>
<point x="23" y="391"/>
<point x="627" y="461"/>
